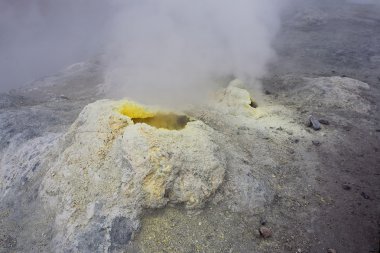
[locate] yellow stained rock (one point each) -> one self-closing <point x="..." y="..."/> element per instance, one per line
<point x="134" y="110"/>
<point x="141" y="114"/>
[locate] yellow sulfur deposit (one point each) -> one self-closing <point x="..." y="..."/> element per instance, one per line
<point x="141" y="114"/>
<point x="134" y="110"/>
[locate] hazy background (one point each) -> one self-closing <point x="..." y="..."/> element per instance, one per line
<point x="175" y="51"/>
<point x="156" y="51"/>
<point x="153" y="50"/>
<point x="39" y="37"/>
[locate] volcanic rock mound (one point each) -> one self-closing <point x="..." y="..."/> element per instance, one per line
<point x="109" y="167"/>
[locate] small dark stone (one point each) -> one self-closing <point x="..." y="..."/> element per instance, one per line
<point x="331" y="251"/>
<point x="347" y="128"/>
<point x="316" y="143"/>
<point x="324" y="122"/>
<point x="267" y="92"/>
<point x="265" y="232"/>
<point x="377" y="130"/>
<point x="263" y="221"/>
<point x="343" y="76"/>
<point x="313" y="122"/>
<point x="346" y="187"/>
<point x="364" y="195"/>
<point x="63" y="97"/>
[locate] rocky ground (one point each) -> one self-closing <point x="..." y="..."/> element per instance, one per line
<point x="286" y="187"/>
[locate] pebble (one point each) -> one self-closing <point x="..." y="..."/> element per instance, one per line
<point x="364" y="195"/>
<point x="324" y="121"/>
<point x="346" y="187"/>
<point x="313" y="122"/>
<point x="265" y="232"/>
<point x="316" y="143"/>
<point x="63" y="97"/>
<point x="347" y="128"/>
<point x="331" y="251"/>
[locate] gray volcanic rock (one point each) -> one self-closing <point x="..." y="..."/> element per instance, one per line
<point x="338" y="94"/>
<point x="335" y="92"/>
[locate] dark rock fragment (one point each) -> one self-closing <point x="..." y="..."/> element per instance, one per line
<point x="364" y="195"/>
<point x="346" y="187"/>
<point x="316" y="143"/>
<point x="295" y="141"/>
<point x="265" y="232"/>
<point x="313" y="122"/>
<point x="63" y="97"/>
<point x="347" y="128"/>
<point x="324" y="121"/>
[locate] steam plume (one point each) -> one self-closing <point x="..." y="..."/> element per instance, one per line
<point x="40" y="37"/>
<point x="156" y="51"/>
<point x="173" y="51"/>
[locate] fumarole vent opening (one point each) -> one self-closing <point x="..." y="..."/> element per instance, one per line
<point x="253" y="104"/>
<point x="141" y="114"/>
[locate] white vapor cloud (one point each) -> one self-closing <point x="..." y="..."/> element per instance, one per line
<point x="156" y="51"/>
<point x="39" y="37"/>
<point x="173" y="51"/>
